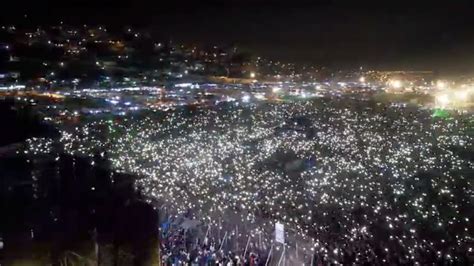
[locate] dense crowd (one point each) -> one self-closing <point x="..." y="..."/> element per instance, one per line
<point x="351" y="181"/>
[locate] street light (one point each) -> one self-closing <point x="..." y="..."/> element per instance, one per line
<point x="252" y="74"/>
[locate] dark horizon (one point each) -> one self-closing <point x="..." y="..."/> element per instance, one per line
<point x="399" y="35"/>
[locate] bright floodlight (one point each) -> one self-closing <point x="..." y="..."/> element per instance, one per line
<point x="397" y="84"/>
<point x="252" y="74"/>
<point x="440" y="84"/>
<point x="362" y="79"/>
<point x="442" y="99"/>
<point x="461" y="95"/>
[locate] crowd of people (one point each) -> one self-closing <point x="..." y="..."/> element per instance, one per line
<point x="183" y="247"/>
<point x="352" y="181"/>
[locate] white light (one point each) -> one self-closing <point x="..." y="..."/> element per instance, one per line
<point x="113" y="101"/>
<point x="362" y="79"/>
<point x="461" y="95"/>
<point x="260" y="97"/>
<point x="397" y="84"/>
<point x="276" y="89"/>
<point x="442" y="99"/>
<point x="440" y="84"/>
<point x="252" y="74"/>
<point x="183" y="85"/>
<point x="245" y="98"/>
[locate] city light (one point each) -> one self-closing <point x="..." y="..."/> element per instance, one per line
<point x="359" y="165"/>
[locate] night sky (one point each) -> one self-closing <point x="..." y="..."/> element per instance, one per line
<point x="374" y="34"/>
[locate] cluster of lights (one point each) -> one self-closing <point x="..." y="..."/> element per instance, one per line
<point x="336" y="175"/>
<point x="453" y="97"/>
